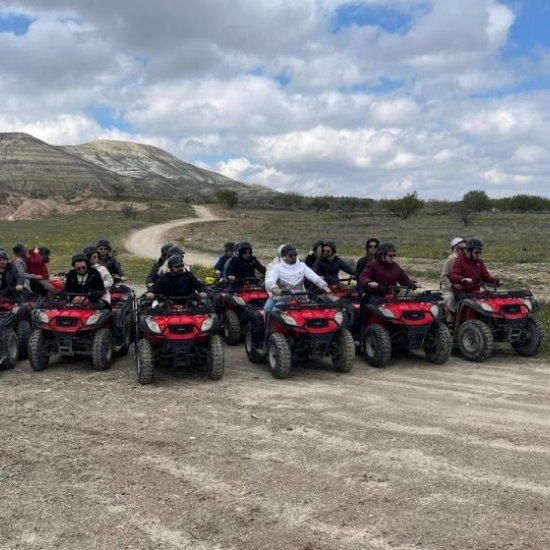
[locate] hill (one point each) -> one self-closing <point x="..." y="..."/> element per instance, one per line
<point x="105" y="167"/>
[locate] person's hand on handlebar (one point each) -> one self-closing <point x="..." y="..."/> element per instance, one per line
<point x="276" y="291"/>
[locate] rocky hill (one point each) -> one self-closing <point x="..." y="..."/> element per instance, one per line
<point x="105" y="167"/>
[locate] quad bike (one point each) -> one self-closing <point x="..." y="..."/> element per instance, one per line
<point x="235" y="304"/>
<point x="19" y="306"/>
<point x="405" y="321"/>
<point x="302" y="325"/>
<point x="72" y="325"/>
<point x="350" y="297"/>
<point x="490" y="316"/>
<point x="179" y="331"/>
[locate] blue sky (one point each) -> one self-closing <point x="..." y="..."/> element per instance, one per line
<point x="373" y="98"/>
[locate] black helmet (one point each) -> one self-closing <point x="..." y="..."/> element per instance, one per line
<point x="332" y="245"/>
<point x="79" y="258"/>
<point x="105" y="243"/>
<point x="18" y="248"/>
<point x="287" y="249"/>
<point x="472" y="244"/>
<point x="244" y="245"/>
<point x="175" y="260"/>
<point x="43" y="250"/>
<point x="385" y="248"/>
<point x="174" y="250"/>
<point x="165" y="248"/>
<point x="230" y="245"/>
<point x="3" y="253"/>
<point x="318" y="242"/>
<point x="89" y="250"/>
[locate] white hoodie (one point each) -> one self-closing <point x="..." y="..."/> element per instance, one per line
<point x="291" y="276"/>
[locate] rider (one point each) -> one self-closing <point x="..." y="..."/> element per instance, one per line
<point x="107" y="259"/>
<point x="174" y="250"/>
<point x="176" y="282"/>
<point x="154" y="272"/>
<point x="371" y="246"/>
<point x="84" y="279"/>
<point x="469" y="271"/>
<point x="329" y="264"/>
<point x="19" y="260"/>
<point x="93" y="259"/>
<point x="458" y="245"/>
<point x="10" y="278"/>
<point x="290" y="274"/>
<point x="315" y="252"/>
<point x="37" y="260"/>
<point x="229" y="251"/>
<point x="384" y="271"/>
<point x="243" y="265"/>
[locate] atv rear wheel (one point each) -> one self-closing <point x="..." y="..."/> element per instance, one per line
<point x="438" y="344"/>
<point x="145" y="362"/>
<point x="252" y="352"/>
<point x="23" y="334"/>
<point x="102" y="349"/>
<point x="39" y="358"/>
<point x="343" y="351"/>
<point x="533" y="337"/>
<point x="215" y="357"/>
<point x="475" y="340"/>
<point x="279" y="356"/>
<point x="231" y="328"/>
<point x="377" y="346"/>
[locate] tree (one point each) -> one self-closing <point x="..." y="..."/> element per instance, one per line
<point x="227" y="197"/>
<point x="472" y="203"/>
<point x="404" y="207"/>
<point x="320" y="203"/>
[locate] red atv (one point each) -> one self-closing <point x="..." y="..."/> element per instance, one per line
<point x="236" y="303"/>
<point x="350" y="297"/>
<point x="72" y="325"/>
<point x="490" y="316"/>
<point x="303" y="325"/>
<point x="179" y="331"/>
<point x="405" y="321"/>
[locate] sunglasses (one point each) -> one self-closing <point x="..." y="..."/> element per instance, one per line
<point x="178" y="266"/>
<point x="392" y="255"/>
<point x="373" y="246"/>
<point x="82" y="268"/>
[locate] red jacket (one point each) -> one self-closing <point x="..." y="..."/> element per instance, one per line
<point x="468" y="268"/>
<point x="35" y="265"/>
<point x="383" y="274"/>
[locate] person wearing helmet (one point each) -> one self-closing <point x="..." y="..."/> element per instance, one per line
<point x="243" y="265"/>
<point x="371" y="246"/>
<point x="228" y="252"/>
<point x="457" y="247"/>
<point x="290" y="274"/>
<point x="19" y="260"/>
<point x="177" y="281"/>
<point x="10" y="278"/>
<point x="174" y="250"/>
<point x="315" y="252"/>
<point x="107" y="259"/>
<point x="328" y="265"/>
<point x="93" y="260"/>
<point x="469" y="271"/>
<point x="84" y="279"/>
<point x="154" y="271"/>
<point x="383" y="272"/>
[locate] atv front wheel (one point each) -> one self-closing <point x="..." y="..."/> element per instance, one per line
<point x="215" y="357"/>
<point x="279" y="356"/>
<point x="127" y="337"/>
<point x="475" y="340"/>
<point x="39" y="357"/>
<point x="252" y="352"/>
<point x="23" y="334"/>
<point x="343" y="351"/>
<point x="145" y="362"/>
<point x="377" y="346"/>
<point x="102" y="349"/>
<point x="532" y="338"/>
<point x="231" y="328"/>
<point x="438" y="344"/>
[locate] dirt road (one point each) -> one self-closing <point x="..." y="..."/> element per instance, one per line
<point x="147" y="242"/>
<point x="411" y="456"/>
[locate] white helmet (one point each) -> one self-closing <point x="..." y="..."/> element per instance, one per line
<point x="455" y="241"/>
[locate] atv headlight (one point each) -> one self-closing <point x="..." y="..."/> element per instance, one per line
<point x="93" y="319"/>
<point x="152" y="325"/>
<point x="339" y="317"/>
<point x="386" y="312"/>
<point x="528" y="304"/>
<point x="239" y="301"/>
<point x="434" y="310"/>
<point x="207" y="324"/>
<point x="16" y="308"/>
<point x="289" y="320"/>
<point x="41" y="316"/>
<point x="486" y="306"/>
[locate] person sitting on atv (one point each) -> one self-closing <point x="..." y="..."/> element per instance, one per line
<point x="93" y="259"/>
<point x="10" y="278"/>
<point x="84" y="279"/>
<point x="290" y="274"/>
<point x="174" y="250"/>
<point x="469" y="271"/>
<point x="315" y="252"/>
<point x="329" y="264"/>
<point x="107" y="259"/>
<point x="177" y="282"/>
<point x="383" y="272"/>
<point x="242" y="266"/>
<point x="154" y="272"/>
<point x="19" y="260"/>
<point x="371" y="246"/>
<point x="37" y="260"/>
<point x="458" y="245"/>
<point x="229" y="251"/>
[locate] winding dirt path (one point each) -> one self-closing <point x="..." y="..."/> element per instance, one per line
<point x="147" y="242"/>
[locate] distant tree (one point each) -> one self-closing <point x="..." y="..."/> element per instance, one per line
<point x="118" y="189"/>
<point x="227" y="197"/>
<point x="321" y="203"/>
<point x="403" y="208"/>
<point x="129" y="211"/>
<point x="477" y="201"/>
<point x="528" y="203"/>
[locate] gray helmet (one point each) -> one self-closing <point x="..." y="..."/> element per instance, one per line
<point x="472" y="244"/>
<point x="79" y="258"/>
<point x="165" y="248"/>
<point x="287" y="249"/>
<point x="332" y="245"/>
<point x="175" y="260"/>
<point x="318" y="242"/>
<point x="89" y="250"/>
<point x="174" y="251"/>
<point x="385" y="248"/>
<point x="3" y="254"/>
<point x="230" y="245"/>
<point x="105" y="243"/>
<point x="244" y="245"/>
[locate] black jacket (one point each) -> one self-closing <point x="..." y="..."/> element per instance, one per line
<point x="154" y="273"/>
<point x="10" y="278"/>
<point x="93" y="284"/>
<point x="242" y="268"/>
<point x="179" y="284"/>
<point x="328" y="268"/>
<point x="113" y="265"/>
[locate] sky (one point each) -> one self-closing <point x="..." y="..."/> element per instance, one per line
<point x="369" y="98"/>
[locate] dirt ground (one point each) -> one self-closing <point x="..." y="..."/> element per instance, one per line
<point x="411" y="456"/>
